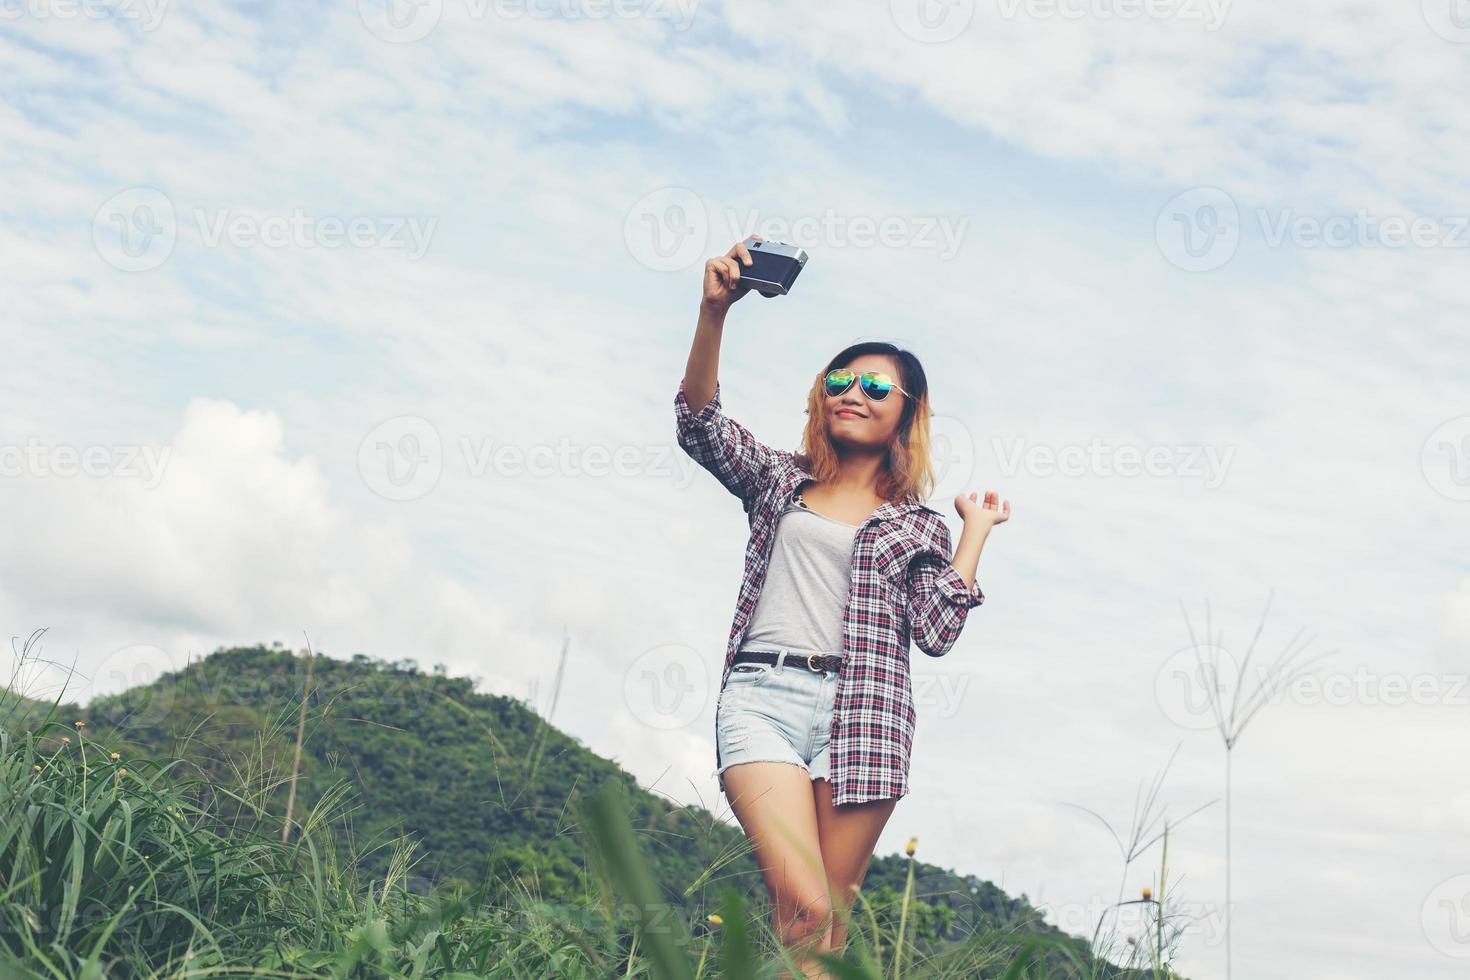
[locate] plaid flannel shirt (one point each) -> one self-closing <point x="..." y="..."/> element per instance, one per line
<point x="902" y="586"/>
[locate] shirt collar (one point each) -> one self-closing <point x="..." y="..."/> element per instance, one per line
<point x="888" y="510"/>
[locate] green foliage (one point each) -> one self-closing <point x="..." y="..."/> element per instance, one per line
<point x="103" y="863"/>
<point x="543" y="859"/>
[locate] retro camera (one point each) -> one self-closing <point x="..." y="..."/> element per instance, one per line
<point x="773" y="267"/>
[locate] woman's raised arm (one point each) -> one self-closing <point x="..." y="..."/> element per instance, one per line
<point x="714" y="440"/>
<point x="942" y="590"/>
<point x="721" y="291"/>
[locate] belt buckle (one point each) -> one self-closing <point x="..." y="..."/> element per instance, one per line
<point x="809" y="665"/>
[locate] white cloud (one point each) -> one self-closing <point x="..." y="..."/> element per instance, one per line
<point x="528" y="324"/>
<point x="222" y="534"/>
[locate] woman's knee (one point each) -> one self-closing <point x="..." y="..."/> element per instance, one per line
<point x="811" y="915"/>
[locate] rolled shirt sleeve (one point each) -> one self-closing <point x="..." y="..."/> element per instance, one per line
<point x="939" y="602"/>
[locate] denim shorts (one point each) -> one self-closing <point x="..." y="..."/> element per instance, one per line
<point x="779" y="712"/>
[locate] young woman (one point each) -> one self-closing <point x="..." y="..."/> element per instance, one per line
<point x="845" y="564"/>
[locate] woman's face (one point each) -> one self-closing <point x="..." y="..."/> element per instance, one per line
<point x="855" y="419"/>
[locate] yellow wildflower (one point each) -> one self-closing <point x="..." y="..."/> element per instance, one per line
<point x="714" y="919"/>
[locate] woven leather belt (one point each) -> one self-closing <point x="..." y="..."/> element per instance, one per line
<point x="815" y="662"/>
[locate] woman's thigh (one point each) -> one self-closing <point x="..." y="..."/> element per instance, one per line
<point x="774" y="804"/>
<point x="847" y="836"/>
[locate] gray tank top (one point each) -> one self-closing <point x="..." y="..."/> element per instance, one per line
<point x="807" y="582"/>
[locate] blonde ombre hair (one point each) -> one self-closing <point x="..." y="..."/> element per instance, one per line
<point x="908" y="472"/>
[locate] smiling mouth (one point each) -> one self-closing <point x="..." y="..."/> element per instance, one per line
<point x="845" y="413"/>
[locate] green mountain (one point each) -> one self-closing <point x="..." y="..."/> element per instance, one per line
<point x="481" y="782"/>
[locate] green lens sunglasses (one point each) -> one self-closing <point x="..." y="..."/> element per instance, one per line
<point x="875" y="384"/>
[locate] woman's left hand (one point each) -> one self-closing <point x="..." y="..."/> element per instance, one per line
<point x="983" y="513"/>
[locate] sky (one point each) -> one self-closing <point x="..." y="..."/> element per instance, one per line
<point x="361" y="323"/>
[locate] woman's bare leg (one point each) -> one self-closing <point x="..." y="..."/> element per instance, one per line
<point x="774" y="804"/>
<point x="847" y="835"/>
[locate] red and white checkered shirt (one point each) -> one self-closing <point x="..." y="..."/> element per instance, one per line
<point x="902" y="585"/>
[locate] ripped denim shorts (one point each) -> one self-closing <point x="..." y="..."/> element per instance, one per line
<point x="779" y="712"/>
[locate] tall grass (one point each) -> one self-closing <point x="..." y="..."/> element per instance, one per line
<point x="1247" y="696"/>
<point x="120" y="867"/>
<point x="106" y="862"/>
<point x="1159" y="927"/>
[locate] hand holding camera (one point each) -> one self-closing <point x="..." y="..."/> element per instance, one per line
<point x="722" y="286"/>
<point x="770" y="268"/>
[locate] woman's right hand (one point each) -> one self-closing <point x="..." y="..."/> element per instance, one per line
<point x="722" y="285"/>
